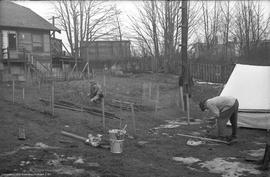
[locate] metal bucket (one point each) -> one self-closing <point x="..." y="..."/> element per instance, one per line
<point x="116" y="146"/>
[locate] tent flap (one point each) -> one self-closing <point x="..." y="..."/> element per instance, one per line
<point x="254" y="120"/>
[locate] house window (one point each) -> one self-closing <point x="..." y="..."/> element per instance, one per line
<point x="12" y="42"/>
<point x="25" y="40"/>
<point x="37" y="43"/>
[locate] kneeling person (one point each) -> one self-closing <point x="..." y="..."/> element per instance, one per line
<point x="95" y="94"/>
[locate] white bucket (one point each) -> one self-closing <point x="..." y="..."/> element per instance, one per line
<point x="116" y="145"/>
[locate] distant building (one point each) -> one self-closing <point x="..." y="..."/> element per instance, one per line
<point x="105" y="50"/>
<point x="258" y="54"/>
<point x="217" y="53"/>
<point x="25" y="40"/>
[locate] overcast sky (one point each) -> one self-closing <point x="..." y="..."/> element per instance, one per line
<point x="46" y="10"/>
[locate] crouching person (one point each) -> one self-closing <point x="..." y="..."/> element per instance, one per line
<point x="96" y="94"/>
<point x="224" y="108"/>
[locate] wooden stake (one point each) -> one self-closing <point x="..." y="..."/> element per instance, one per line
<point x="177" y="96"/>
<point x="120" y="102"/>
<point x="133" y="118"/>
<point x="157" y="100"/>
<point x="88" y="70"/>
<point x="21" y="133"/>
<point x="104" y="82"/>
<point x="188" y="111"/>
<point x="39" y="87"/>
<point x="143" y="92"/>
<point x="182" y="98"/>
<point x="52" y="97"/>
<point x="81" y="74"/>
<point x="23" y="93"/>
<point x="103" y="116"/>
<point x="63" y="65"/>
<point x="150" y="90"/>
<point x="13" y="90"/>
<point x="93" y="73"/>
<point x="202" y="138"/>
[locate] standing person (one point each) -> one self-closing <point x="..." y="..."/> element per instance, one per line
<point x="96" y="93"/>
<point x="224" y="108"/>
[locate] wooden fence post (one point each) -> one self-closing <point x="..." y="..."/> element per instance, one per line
<point x="150" y="89"/>
<point x="13" y="90"/>
<point x="23" y="94"/>
<point x="157" y="100"/>
<point x="133" y="117"/>
<point x="188" y="109"/>
<point x="120" y="113"/>
<point x="104" y="82"/>
<point x="103" y="116"/>
<point x="181" y="94"/>
<point x="88" y="71"/>
<point x="52" y="97"/>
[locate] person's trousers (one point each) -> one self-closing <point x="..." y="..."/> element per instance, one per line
<point x="230" y="114"/>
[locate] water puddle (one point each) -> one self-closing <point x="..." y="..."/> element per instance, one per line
<point x="255" y="153"/>
<point x="229" y="169"/>
<point x="175" y="124"/>
<point x="186" y="160"/>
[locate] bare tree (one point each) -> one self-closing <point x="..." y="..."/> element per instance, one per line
<point x="85" y="20"/>
<point x="118" y="25"/>
<point x="159" y="27"/>
<point x="210" y="22"/>
<point x="226" y="20"/>
<point x="194" y="14"/>
<point x="250" y="25"/>
<point x="145" y="28"/>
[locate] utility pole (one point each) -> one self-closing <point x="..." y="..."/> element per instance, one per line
<point x="53" y="18"/>
<point x="53" y="23"/>
<point x="185" y="64"/>
<point x="184" y="42"/>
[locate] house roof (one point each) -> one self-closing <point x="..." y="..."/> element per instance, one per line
<point x="14" y="15"/>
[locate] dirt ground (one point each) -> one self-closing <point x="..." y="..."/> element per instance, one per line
<point x="155" y="150"/>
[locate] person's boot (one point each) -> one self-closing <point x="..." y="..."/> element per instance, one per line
<point x="232" y="139"/>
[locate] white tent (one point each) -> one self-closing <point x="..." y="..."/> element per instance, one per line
<point x="250" y="84"/>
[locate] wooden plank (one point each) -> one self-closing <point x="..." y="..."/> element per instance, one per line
<point x="72" y="135"/>
<point x="205" y="139"/>
<point x="120" y="101"/>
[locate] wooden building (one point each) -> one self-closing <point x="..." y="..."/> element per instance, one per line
<point x="25" y="40"/>
<point x="105" y="50"/>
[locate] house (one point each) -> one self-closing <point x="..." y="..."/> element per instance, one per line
<point x="25" y="41"/>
